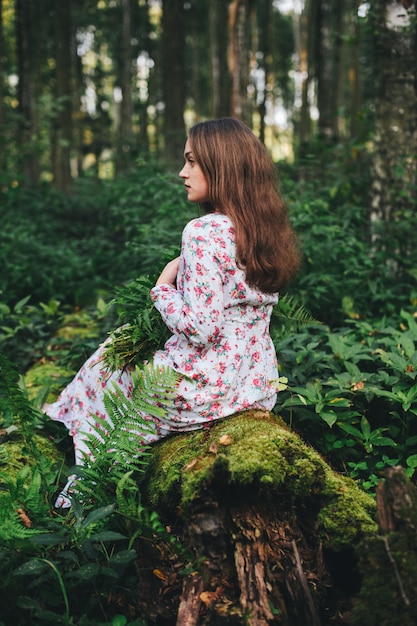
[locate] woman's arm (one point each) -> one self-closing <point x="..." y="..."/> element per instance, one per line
<point x="197" y="310"/>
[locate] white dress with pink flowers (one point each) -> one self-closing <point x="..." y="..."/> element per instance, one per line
<point x="220" y="341"/>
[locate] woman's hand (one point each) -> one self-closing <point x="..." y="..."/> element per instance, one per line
<point x="168" y="275"/>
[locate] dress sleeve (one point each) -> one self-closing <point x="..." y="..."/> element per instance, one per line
<point x="195" y="309"/>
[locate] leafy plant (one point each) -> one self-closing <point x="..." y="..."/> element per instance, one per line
<point x="353" y="394"/>
<point x="47" y="561"/>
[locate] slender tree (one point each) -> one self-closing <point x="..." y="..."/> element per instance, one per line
<point x="172" y="52"/>
<point x="265" y="25"/>
<point x="2" y="115"/>
<point x="395" y="141"/>
<point x="220" y="78"/>
<point x="124" y="122"/>
<point x="28" y="129"/>
<point x="354" y="98"/>
<point x="62" y="127"/>
<point x="239" y="12"/>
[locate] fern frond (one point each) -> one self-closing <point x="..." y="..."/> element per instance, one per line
<point x="117" y="447"/>
<point x="13" y="402"/>
<point x="11" y="527"/>
<point x="291" y="315"/>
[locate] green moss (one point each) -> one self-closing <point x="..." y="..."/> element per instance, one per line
<point x="15" y="453"/>
<point x="46" y="374"/>
<point x="254" y="453"/>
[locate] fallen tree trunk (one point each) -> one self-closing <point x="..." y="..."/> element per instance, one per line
<point x="268" y="531"/>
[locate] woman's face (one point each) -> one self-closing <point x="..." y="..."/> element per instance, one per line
<point x="195" y="182"/>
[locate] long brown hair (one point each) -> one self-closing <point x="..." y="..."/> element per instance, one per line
<point x="243" y="184"/>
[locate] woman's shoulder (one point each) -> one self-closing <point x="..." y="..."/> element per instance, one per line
<point x="210" y="222"/>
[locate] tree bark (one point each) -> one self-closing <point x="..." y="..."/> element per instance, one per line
<point x="220" y="82"/>
<point x="395" y="138"/>
<point x="125" y="148"/>
<point x="2" y="120"/>
<point x="172" y="50"/>
<point x="62" y="130"/>
<point x="28" y="130"/>
<point x="239" y="58"/>
<point x="388" y="596"/>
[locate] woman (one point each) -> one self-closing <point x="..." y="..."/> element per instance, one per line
<point x="216" y="298"/>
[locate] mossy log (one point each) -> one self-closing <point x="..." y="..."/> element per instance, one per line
<point x="268" y="529"/>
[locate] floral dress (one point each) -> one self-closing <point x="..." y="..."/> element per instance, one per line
<point x="220" y="342"/>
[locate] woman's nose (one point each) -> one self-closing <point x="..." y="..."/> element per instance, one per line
<point x="183" y="173"/>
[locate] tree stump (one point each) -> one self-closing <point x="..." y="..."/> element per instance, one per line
<point x="388" y="560"/>
<point x="267" y="530"/>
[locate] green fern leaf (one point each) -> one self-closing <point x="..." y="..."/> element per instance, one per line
<point x="116" y="447"/>
<point x="291" y="315"/>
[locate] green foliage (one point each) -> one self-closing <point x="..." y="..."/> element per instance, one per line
<point x="352" y="268"/>
<point x="100" y="237"/>
<point x="48" y="561"/>
<point x="353" y="394"/>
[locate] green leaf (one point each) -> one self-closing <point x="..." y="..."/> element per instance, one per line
<point x="352" y="430"/>
<point x="329" y="417"/>
<point x="411" y="460"/>
<point x="98" y="514"/>
<point x="123" y="557"/>
<point x="107" y="535"/>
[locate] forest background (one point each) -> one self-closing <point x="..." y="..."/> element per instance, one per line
<point x="95" y="101"/>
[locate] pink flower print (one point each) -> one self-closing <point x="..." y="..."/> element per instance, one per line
<point x="91" y="394"/>
<point x="239" y="292"/>
<point x="215" y="407"/>
<point x="219" y="241"/>
<point x="204" y="291"/>
<point x="221" y="367"/>
<point x="200" y="269"/>
<point x="258" y="382"/>
<point x="256" y="357"/>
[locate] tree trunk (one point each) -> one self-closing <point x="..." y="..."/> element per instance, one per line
<point x="388" y="596"/>
<point x="327" y="66"/>
<point x="239" y="58"/>
<point x="354" y="89"/>
<point x="2" y="118"/>
<point x="220" y="81"/>
<point x="265" y="40"/>
<point x="62" y="130"/>
<point x="124" y="133"/>
<point x="262" y="526"/>
<point x="395" y="141"/>
<point x="172" y="50"/>
<point x="28" y="131"/>
<point x="302" y="38"/>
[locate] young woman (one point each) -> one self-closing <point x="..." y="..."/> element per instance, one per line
<point x="216" y="298"/>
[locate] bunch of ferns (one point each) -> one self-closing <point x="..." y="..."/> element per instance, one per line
<point x="141" y="331"/>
